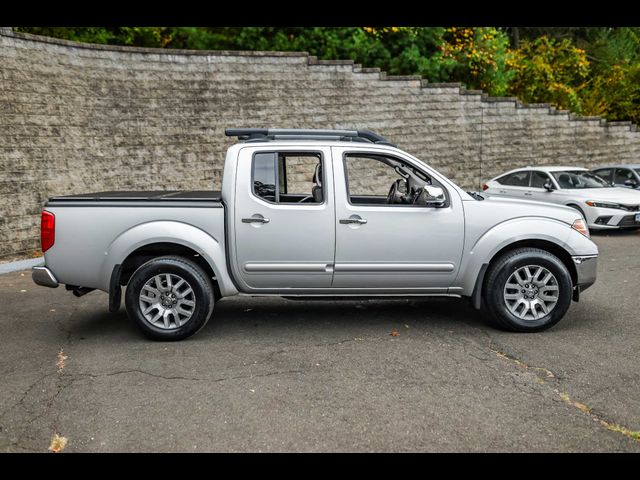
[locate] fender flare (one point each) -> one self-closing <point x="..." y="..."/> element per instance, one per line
<point x="477" y="260"/>
<point x="169" y="231"/>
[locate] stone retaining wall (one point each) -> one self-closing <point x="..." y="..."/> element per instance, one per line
<point x="77" y="117"/>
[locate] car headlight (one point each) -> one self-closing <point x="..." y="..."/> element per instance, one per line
<point x="580" y="226"/>
<point x="593" y="203"/>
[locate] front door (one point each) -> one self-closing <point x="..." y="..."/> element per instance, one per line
<point x="621" y="176"/>
<point x="537" y="191"/>
<point x="284" y="219"/>
<point x="385" y="245"/>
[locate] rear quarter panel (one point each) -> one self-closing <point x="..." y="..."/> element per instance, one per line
<point x="91" y="240"/>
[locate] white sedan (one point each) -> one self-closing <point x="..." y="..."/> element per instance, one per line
<point x="602" y="205"/>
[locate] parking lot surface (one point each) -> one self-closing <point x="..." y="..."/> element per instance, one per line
<point x="284" y="375"/>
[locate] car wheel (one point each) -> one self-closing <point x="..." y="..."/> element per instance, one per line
<point x="526" y="290"/>
<point x="169" y="298"/>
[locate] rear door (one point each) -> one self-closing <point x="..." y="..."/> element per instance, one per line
<point x="284" y="220"/>
<point x="513" y="185"/>
<point x="622" y="175"/>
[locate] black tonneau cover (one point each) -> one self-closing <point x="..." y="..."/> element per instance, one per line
<point x="143" y="196"/>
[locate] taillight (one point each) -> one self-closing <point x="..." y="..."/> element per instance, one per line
<point x="485" y="186"/>
<point x="47" y="230"/>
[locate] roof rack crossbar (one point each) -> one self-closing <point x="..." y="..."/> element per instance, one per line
<point x="265" y="134"/>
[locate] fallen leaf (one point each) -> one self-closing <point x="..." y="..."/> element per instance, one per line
<point x="406" y="326"/>
<point x="22" y="291"/>
<point x="57" y="443"/>
<point x="61" y="358"/>
<point x="52" y="309"/>
<point x="394" y="333"/>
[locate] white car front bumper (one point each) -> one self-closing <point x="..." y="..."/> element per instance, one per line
<point x="610" y="218"/>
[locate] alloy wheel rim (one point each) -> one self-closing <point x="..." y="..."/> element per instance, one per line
<point x="167" y="301"/>
<point x="531" y="292"/>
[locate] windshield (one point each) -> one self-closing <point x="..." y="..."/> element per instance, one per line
<point x="638" y="171"/>
<point x="579" y="179"/>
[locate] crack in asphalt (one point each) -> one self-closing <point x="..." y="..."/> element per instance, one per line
<point x="64" y="329"/>
<point x="49" y="401"/>
<point x="67" y="381"/>
<point x="25" y="394"/>
<point x="60" y="387"/>
<point x="544" y="379"/>
<point x="566" y="398"/>
<point x="70" y="378"/>
<point x="135" y="370"/>
<point x="501" y="354"/>
<point x="472" y="348"/>
<point x="192" y="379"/>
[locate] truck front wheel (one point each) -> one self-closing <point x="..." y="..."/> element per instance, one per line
<point x="526" y="290"/>
<point x="169" y="298"/>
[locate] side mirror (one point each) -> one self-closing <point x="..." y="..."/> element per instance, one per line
<point x="431" y="196"/>
<point x="631" y="183"/>
<point x="548" y="186"/>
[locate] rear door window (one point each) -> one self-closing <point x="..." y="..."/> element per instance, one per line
<point x="515" y="179"/>
<point x="288" y="177"/>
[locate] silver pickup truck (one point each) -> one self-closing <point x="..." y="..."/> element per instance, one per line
<point x="316" y="213"/>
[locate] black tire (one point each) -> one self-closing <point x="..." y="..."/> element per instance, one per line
<point x="494" y="307"/>
<point x="195" y="276"/>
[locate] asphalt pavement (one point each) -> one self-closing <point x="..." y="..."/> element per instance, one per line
<point x="284" y="375"/>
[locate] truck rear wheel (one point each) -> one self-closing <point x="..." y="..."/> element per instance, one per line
<point x="169" y="298"/>
<point x="526" y="290"/>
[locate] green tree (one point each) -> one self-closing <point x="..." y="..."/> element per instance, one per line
<point x="479" y="58"/>
<point x="548" y="70"/>
<point x="615" y="93"/>
<point x="138" y="36"/>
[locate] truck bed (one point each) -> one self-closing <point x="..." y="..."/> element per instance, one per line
<point x="137" y="197"/>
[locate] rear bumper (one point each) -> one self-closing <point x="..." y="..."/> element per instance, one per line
<point x="43" y="276"/>
<point x="586" y="269"/>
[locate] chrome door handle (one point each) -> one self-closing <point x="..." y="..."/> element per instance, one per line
<point x="502" y="191"/>
<point x="528" y="194"/>
<point x="348" y="221"/>
<point x="255" y="220"/>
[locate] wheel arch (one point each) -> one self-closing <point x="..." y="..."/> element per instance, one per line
<point x="546" y="245"/>
<point x="573" y="204"/>
<point x="158" y="238"/>
<point x="149" y="251"/>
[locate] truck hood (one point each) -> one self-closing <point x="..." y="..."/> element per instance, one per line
<point x="509" y="207"/>
<point x="614" y="194"/>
